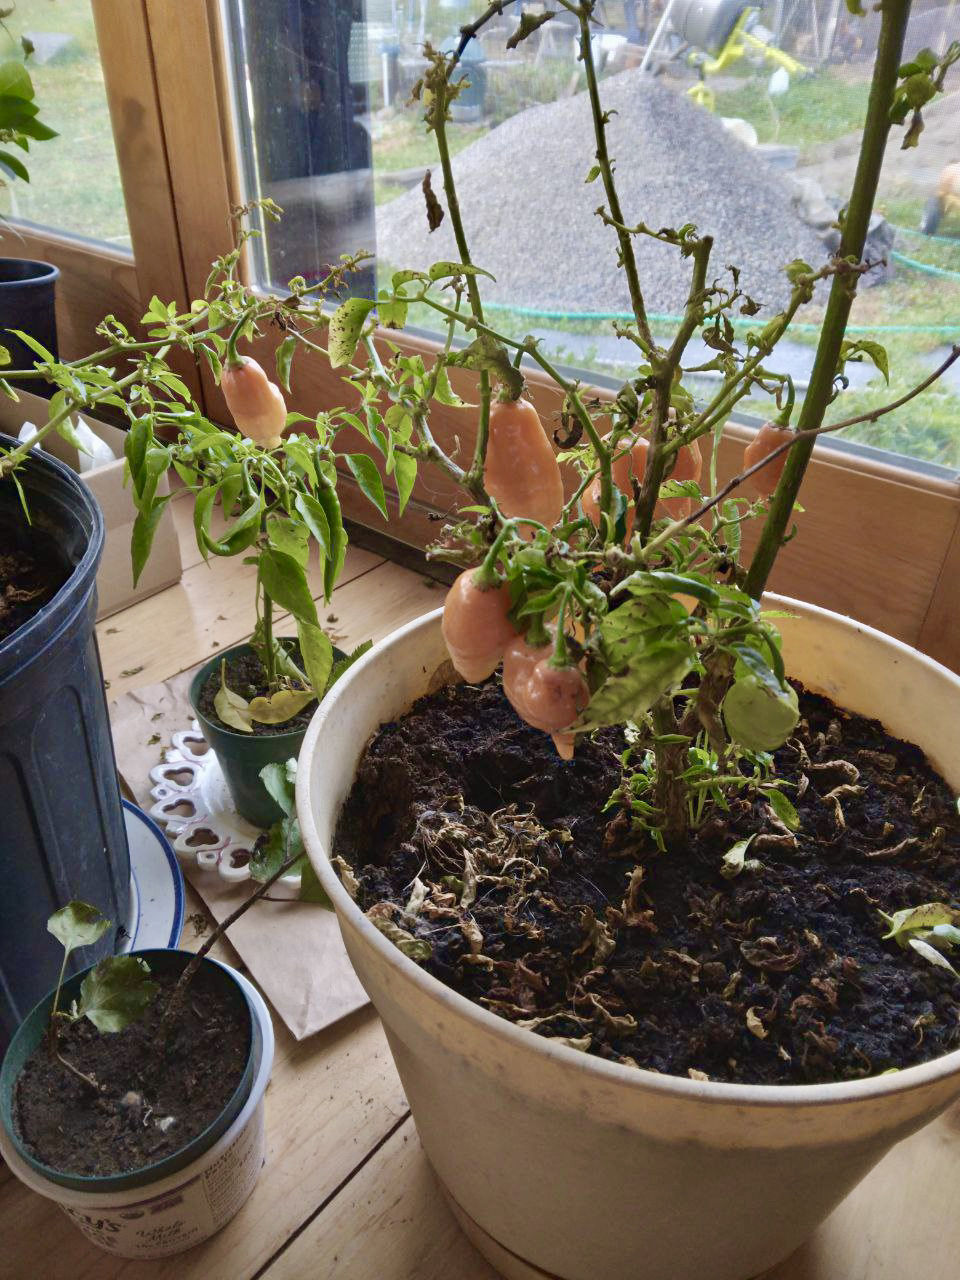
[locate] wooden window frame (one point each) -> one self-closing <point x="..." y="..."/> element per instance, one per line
<point x="168" y="86"/>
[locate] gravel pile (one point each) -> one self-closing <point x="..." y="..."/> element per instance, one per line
<point x="530" y="216"/>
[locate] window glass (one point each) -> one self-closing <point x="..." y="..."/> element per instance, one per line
<point x="74" y="178"/>
<point x="741" y="119"/>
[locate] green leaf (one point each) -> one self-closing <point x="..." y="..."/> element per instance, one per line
<point x="117" y="992"/>
<point x="284" y="358"/>
<point x="315" y="518"/>
<point x="391" y="312"/>
<point x="629" y="695"/>
<point x="910" y="919"/>
<point x="593" y="174"/>
<point x="5" y="356"/>
<point x="286" y="583"/>
<point x="783" y="808"/>
<point x="144" y="528"/>
<point x="734" y="859"/>
<point x="242" y="533"/>
<point x="317" y="653"/>
<point x="346" y="325"/>
<point x="230" y="707"/>
<point x="758" y="716"/>
<point x="855" y="6"/>
<point x="444" y="393"/>
<point x="37" y="130"/>
<point x="77" y="925"/>
<point x="36" y="347"/>
<point x="271" y="852"/>
<point x="202" y="512"/>
<point x="405" y="473"/>
<point x="932" y="955"/>
<point x="67" y="431"/>
<point x="276" y="779"/>
<point x="487" y="353"/>
<point x="15" y="80"/>
<point x="288" y="536"/>
<point x="367" y="476"/>
<point x="874" y="351"/>
<point x="311" y="890"/>
<point x="444" y="270"/>
<point x="280" y="707"/>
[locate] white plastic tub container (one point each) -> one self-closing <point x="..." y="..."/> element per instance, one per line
<point x="190" y="1205"/>
<point x="564" y="1165"/>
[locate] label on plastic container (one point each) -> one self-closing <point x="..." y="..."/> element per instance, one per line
<point x="183" y="1215"/>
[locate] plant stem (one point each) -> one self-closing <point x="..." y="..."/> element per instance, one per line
<point x="179" y="991"/>
<point x="893" y="25"/>
<point x="270" y="665"/>
<point x="439" y="116"/>
<point x="584" y="12"/>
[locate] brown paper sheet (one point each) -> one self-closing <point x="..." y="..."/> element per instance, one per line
<point x="293" y="949"/>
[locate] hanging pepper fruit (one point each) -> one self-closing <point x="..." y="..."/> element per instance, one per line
<point x="521" y="472"/>
<point x="688" y="466"/>
<point x="770" y="437"/>
<point x="475" y="625"/>
<point x="767" y="439"/>
<point x="256" y="403"/>
<point x="547" y="695"/>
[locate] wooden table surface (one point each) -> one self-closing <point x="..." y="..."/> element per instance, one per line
<point x="346" y="1191"/>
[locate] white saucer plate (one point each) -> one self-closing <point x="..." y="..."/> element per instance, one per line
<point x="156" y="885"/>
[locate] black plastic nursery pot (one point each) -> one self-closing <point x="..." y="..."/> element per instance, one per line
<point x="62" y="830"/>
<point x="31" y="1034"/>
<point x="27" y="290"/>
<point x="241" y="756"/>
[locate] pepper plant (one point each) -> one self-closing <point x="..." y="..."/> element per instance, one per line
<point x="624" y="602"/>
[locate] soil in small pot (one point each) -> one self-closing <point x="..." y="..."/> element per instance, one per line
<point x="69" y="1127"/>
<point x="32" y="571"/>
<point x="246" y="676"/>
<point x="498" y="867"/>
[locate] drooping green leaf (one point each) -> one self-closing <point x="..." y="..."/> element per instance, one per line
<point x="15" y="165"/>
<point x="909" y="919"/>
<point x="391" y="312"/>
<point x="405" y="472"/>
<point x="286" y="583"/>
<point x="367" y="476"/>
<point x="317" y="653"/>
<point x="444" y="270"/>
<point x="315" y="518"/>
<point x="280" y="707"/>
<point x="35" y="346"/>
<point x="117" y="992"/>
<point x="932" y="955"/>
<point x="144" y="529"/>
<point x="783" y="808"/>
<point x="346" y="326"/>
<point x="276" y="779"/>
<point x="444" y="393"/>
<point x="627" y="696"/>
<point x="230" y="707"/>
<point x="15" y="80"/>
<point x="78" y="924"/>
<point x="311" y="890"/>
<point x="734" y="860"/>
<point x="202" y="513"/>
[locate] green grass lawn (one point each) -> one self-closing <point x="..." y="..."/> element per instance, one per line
<point x="817" y="108"/>
<point x="74" y="180"/>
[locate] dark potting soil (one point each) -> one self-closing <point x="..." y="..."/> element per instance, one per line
<point x="500" y="860"/>
<point x="246" y="676"/>
<point x="70" y="1127"/>
<point x="31" y="574"/>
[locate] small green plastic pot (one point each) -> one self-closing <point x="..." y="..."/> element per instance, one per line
<point x="242" y="755"/>
<point x="33" y="1029"/>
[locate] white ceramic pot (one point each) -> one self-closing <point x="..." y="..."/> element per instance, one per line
<point x="561" y="1164"/>
<point x="189" y="1206"/>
